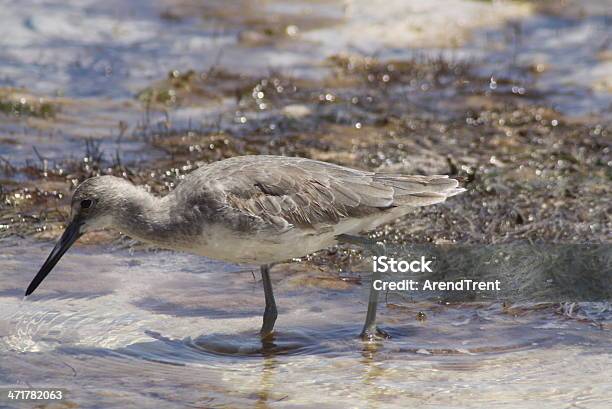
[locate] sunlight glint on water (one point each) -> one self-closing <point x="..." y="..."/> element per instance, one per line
<point x="108" y="314"/>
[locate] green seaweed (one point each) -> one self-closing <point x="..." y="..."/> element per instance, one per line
<point x="26" y="108"/>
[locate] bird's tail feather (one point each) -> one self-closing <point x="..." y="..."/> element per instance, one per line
<point x="412" y="190"/>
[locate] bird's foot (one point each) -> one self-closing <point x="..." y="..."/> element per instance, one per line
<point x="266" y="335"/>
<point x="376" y="334"/>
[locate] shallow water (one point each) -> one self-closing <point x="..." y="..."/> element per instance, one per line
<point x="135" y="328"/>
<point x="138" y="328"/>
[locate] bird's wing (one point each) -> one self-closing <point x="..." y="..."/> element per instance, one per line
<point x="295" y="191"/>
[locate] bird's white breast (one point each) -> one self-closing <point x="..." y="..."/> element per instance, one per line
<point x="263" y="247"/>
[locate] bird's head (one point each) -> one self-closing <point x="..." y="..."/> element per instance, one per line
<point x="94" y="204"/>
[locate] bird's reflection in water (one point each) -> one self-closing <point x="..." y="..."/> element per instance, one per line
<point x="269" y="351"/>
<point x="372" y="371"/>
<point x="267" y="358"/>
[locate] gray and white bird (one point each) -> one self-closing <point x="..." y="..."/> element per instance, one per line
<point x="252" y="209"/>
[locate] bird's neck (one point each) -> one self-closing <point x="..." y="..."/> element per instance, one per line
<point x="152" y="219"/>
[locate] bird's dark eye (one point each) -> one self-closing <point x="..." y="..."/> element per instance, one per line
<point x="86" y="204"/>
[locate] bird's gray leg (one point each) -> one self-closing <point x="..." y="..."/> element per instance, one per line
<point x="270" y="313"/>
<point x="370" y="331"/>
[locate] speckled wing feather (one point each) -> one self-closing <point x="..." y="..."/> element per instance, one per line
<point x="285" y="191"/>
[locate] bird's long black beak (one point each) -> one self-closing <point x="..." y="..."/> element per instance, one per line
<point x="71" y="234"/>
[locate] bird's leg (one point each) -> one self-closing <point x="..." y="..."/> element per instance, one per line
<point x="370" y="331"/>
<point x="270" y="313"/>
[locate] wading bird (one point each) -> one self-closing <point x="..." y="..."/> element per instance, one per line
<point x="253" y="209"/>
